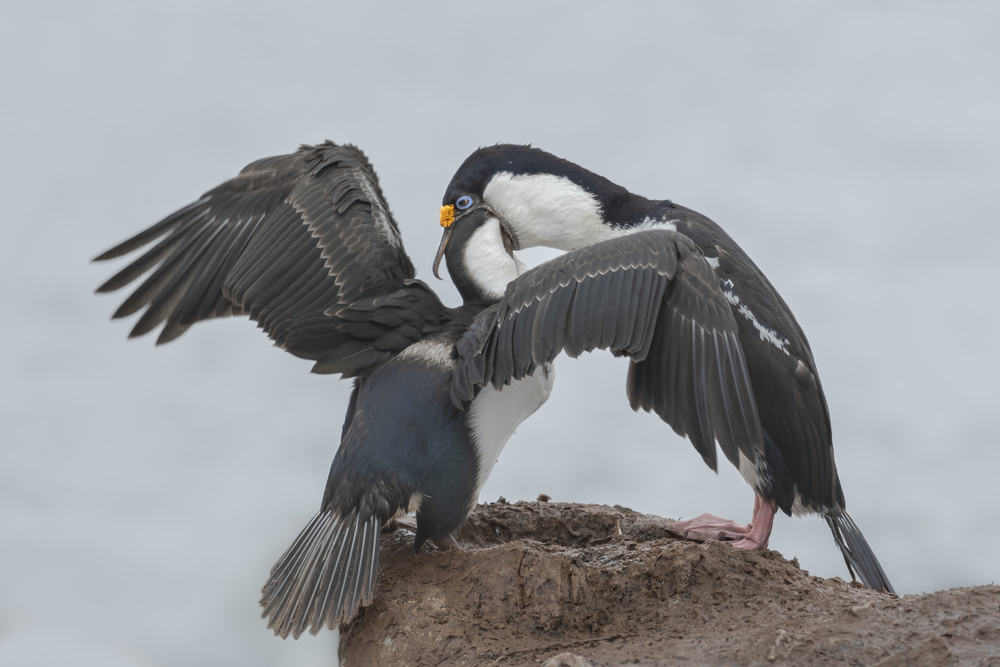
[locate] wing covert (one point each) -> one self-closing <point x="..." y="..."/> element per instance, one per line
<point x="302" y="243"/>
<point x="651" y="296"/>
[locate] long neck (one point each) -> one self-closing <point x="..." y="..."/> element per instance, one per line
<point x="557" y="212"/>
<point x="480" y="266"/>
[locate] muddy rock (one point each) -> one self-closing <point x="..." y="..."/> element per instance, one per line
<point x="555" y="584"/>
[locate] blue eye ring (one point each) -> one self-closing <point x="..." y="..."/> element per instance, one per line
<point x="463" y="202"/>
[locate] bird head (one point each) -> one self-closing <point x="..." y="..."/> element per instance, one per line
<point x="539" y="199"/>
<point x="479" y="252"/>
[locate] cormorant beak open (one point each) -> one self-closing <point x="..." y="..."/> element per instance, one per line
<point x="448" y="220"/>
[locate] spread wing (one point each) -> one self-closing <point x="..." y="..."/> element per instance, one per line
<point x="651" y="296"/>
<point x="304" y="244"/>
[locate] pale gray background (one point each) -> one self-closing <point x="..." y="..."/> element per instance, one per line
<point x="851" y="148"/>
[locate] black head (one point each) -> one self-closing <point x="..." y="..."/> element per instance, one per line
<point x="538" y="195"/>
<point x="480" y="167"/>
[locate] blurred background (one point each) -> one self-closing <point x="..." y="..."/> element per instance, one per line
<point x="851" y="148"/>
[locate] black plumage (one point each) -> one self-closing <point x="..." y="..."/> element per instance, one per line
<point x="585" y="300"/>
<point x="304" y="245"/>
<point x="407" y="447"/>
<point x="544" y="200"/>
<point x="280" y="243"/>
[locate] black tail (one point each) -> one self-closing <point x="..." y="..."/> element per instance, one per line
<point x="325" y="576"/>
<point x="858" y="555"/>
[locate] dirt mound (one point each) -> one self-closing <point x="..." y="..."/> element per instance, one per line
<point x="561" y="584"/>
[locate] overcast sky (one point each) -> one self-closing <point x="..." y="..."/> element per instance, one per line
<point x="851" y="148"/>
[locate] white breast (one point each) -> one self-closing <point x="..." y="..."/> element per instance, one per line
<point x="496" y="413"/>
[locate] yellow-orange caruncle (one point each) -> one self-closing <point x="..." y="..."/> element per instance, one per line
<point x="447" y="216"/>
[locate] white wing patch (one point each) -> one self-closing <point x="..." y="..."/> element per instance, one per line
<point x="769" y="335"/>
<point x="749" y="471"/>
<point x="649" y="223"/>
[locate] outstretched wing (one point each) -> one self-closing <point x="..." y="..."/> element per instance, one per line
<point x="651" y="296"/>
<point x="304" y="244"/>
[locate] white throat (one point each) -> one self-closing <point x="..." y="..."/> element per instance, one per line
<point x="489" y="265"/>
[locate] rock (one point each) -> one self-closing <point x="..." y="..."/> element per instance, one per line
<point x="561" y="584"/>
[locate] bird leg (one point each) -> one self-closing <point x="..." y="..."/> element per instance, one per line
<point x="445" y="543"/>
<point x="407" y="522"/>
<point x="709" y="528"/>
<point x="760" y="525"/>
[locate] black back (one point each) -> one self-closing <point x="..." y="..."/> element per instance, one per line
<point x="789" y="398"/>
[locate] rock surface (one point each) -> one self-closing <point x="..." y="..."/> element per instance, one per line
<point x="557" y="584"/>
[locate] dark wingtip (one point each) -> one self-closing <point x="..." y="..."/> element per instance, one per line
<point x="123" y="248"/>
<point x="104" y="256"/>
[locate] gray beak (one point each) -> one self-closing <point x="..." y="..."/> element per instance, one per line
<point x="440" y="252"/>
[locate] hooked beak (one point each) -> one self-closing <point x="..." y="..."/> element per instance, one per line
<point x="440" y="252"/>
<point x="448" y="220"/>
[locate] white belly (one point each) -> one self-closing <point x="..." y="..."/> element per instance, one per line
<point x="496" y="413"/>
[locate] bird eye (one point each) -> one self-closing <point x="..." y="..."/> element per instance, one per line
<point x="463" y="202"/>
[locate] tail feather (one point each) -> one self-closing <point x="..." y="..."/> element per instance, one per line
<point x="325" y="576"/>
<point x="860" y="558"/>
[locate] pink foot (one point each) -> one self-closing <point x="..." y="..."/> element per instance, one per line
<point x="708" y="528"/>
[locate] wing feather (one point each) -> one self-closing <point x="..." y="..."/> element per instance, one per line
<point x="651" y="296"/>
<point x="301" y="243"/>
